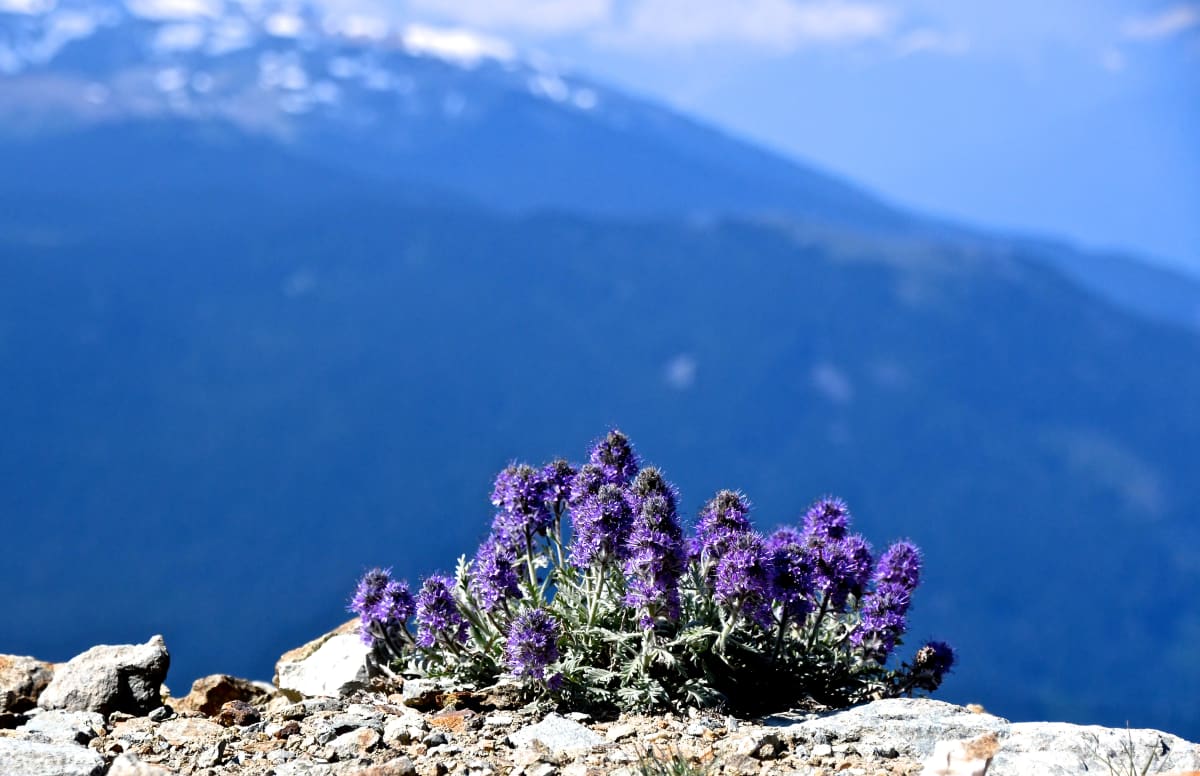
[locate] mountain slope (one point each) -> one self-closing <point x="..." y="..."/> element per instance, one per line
<point x="448" y="109"/>
<point x="222" y="405"/>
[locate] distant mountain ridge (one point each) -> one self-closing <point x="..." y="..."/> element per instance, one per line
<point x="244" y="360"/>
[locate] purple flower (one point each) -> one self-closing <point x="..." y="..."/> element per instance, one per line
<point x="743" y="579"/>
<point x="883" y="621"/>
<point x="900" y="565"/>
<point x="614" y="455"/>
<point x="586" y="484"/>
<point x="793" y="564"/>
<point x="930" y="665"/>
<point x="722" y="521"/>
<point x="520" y="498"/>
<point x="827" y="519"/>
<point x="532" y="643"/>
<point x="383" y="605"/>
<point x="656" y="559"/>
<point x="601" y="524"/>
<point x="842" y="567"/>
<point x="438" y="618"/>
<point x="557" y="477"/>
<point x="650" y="482"/>
<point x="494" y="580"/>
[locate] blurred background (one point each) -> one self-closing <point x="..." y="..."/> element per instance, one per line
<point x="282" y="286"/>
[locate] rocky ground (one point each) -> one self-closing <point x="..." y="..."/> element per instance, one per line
<point x="106" y="712"/>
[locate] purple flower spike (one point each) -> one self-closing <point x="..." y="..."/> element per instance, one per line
<point x="656" y="560"/>
<point x="614" y="455"/>
<point x="532" y="643"/>
<point x="587" y="483"/>
<point x="722" y="521"/>
<point x="842" y="568"/>
<point x="494" y="580"/>
<point x="557" y="477"/>
<point x="883" y="621"/>
<point x="383" y="605"/>
<point x="438" y="618"/>
<point x="900" y="565"/>
<point x="650" y="482"/>
<point x="793" y="564"/>
<point x="827" y="519"/>
<point x="602" y="523"/>
<point x="744" y="577"/>
<point x="520" y="498"/>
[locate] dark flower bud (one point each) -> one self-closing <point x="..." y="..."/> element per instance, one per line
<point x="931" y="664"/>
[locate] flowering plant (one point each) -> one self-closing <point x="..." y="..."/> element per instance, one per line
<point x="588" y="590"/>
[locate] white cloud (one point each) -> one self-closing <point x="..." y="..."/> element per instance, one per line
<point x="465" y="47"/>
<point x="174" y="9"/>
<point x="1164" y="24"/>
<point x="932" y="41"/>
<point x="781" y="24"/>
<point x="680" y="372"/>
<point x="832" y="383"/>
<point x="30" y="7"/>
<point x="546" y="16"/>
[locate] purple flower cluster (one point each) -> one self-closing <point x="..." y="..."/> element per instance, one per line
<point x="382" y="604"/>
<point x="494" y="578"/>
<point x="744" y="578"/>
<point x="615" y="456"/>
<point x="532" y="643"/>
<point x="520" y="497"/>
<point x="602" y="523"/>
<point x="656" y="557"/>
<point x="793" y="565"/>
<point x="438" y="618"/>
<point x="841" y="562"/>
<point x="723" y="520"/>
<point x="885" y="608"/>
<point x="558" y="476"/>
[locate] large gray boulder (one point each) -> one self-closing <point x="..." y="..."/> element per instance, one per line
<point x="37" y="758"/>
<point x="916" y="727"/>
<point x="22" y="680"/>
<point x="107" y="678"/>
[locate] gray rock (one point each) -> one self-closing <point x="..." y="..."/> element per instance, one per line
<point x="914" y="727"/>
<point x="22" y="680"/>
<point x="35" y="758"/>
<point x="336" y="668"/>
<point x="110" y="678"/>
<point x="128" y="765"/>
<point x="68" y="727"/>
<point x="420" y="693"/>
<point x="558" y="734"/>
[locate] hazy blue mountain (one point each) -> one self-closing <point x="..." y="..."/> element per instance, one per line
<point x="456" y="111"/>
<point x="243" y="361"/>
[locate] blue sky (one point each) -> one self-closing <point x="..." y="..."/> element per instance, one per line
<point x="1071" y="118"/>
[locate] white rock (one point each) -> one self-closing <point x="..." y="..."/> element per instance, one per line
<point x="558" y="734"/>
<point x="34" y="758"/>
<point x="338" y="667"/>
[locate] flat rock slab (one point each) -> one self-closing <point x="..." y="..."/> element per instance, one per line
<point x="35" y="758"/>
<point x="558" y="734"/>
<point x="70" y="727"/>
<point x="107" y="678"/>
<point x="915" y="728"/>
